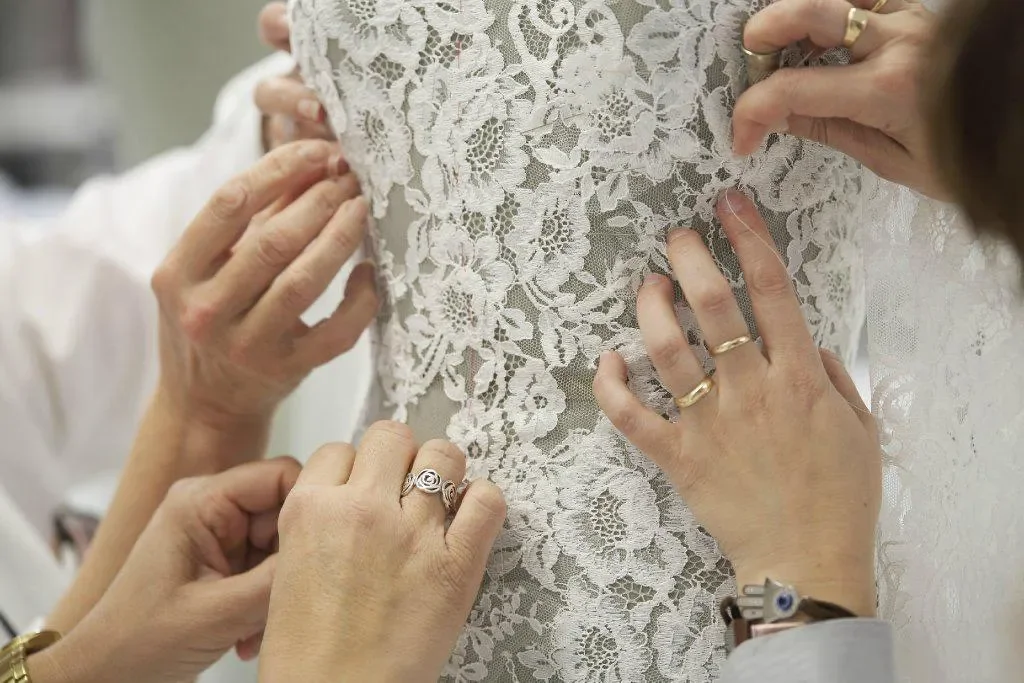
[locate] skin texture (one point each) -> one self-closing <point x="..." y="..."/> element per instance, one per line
<point x="371" y="586"/>
<point x="871" y="110"/>
<point x="197" y="582"/>
<point x="781" y="461"/>
<point x="232" y="345"/>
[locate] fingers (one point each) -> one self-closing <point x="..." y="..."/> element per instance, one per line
<point x="331" y="465"/>
<point x="449" y="462"/>
<point x="844" y="384"/>
<point x="666" y="343"/>
<point x="225" y="217"/>
<point x="267" y="253"/>
<point x="249" y="649"/>
<point x="869" y="146"/>
<point x="242" y="600"/>
<point x="823" y="22"/>
<point x="302" y="282"/>
<point x="273" y="26"/>
<point x="260" y="486"/>
<point x="711" y="297"/>
<point x="383" y="458"/>
<point x="776" y="307"/>
<point x="340" y="332"/>
<point x="477" y="524"/>
<point x="286" y="96"/>
<point x="645" y="429"/>
<point x="815" y="92"/>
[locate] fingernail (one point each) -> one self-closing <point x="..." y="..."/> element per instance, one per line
<point x="315" y="152"/>
<point x="732" y="201"/>
<point x="336" y="165"/>
<point x="310" y="110"/>
<point x="652" y="279"/>
<point x="676" y="233"/>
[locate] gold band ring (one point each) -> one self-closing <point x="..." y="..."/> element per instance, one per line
<point x="699" y="392"/>
<point x="879" y="5"/>
<point x="761" y="65"/>
<point x="727" y="346"/>
<point x="856" y="22"/>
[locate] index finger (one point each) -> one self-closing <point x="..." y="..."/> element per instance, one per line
<point x="772" y="296"/>
<point x="259" y="486"/>
<point x="274" y="28"/>
<point x="226" y="216"/>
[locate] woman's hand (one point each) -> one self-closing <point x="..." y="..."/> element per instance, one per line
<point x="232" y="290"/>
<point x="197" y="583"/>
<point x="780" y="462"/>
<point x="371" y="585"/>
<point x="291" y="111"/>
<point x="870" y="110"/>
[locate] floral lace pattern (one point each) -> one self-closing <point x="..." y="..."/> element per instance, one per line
<point x="947" y="334"/>
<point x="524" y="160"/>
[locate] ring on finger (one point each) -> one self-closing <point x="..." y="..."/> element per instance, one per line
<point x="761" y="65"/>
<point x="429" y="481"/>
<point x="878" y="6"/>
<point x="698" y="392"/>
<point x="856" y="22"/>
<point x="727" y="346"/>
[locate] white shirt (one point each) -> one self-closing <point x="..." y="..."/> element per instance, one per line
<point x="78" y="337"/>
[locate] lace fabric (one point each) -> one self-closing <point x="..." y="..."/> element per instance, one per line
<point x="946" y="330"/>
<point x="524" y="160"/>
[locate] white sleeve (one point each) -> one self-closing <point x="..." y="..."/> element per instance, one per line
<point x="77" y="321"/>
<point x="836" y="651"/>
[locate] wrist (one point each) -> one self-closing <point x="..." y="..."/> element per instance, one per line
<point x="64" y="662"/>
<point x="850" y="585"/>
<point x="212" y="440"/>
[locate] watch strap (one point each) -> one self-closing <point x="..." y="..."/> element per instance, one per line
<point x="14" y="655"/>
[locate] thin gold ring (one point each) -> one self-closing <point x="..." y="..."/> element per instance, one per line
<point x="879" y="5"/>
<point x="699" y="392"/>
<point x="856" y="23"/>
<point x="727" y="346"/>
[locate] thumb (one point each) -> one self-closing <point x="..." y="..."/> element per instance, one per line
<point x="242" y="600"/>
<point x="843" y="383"/>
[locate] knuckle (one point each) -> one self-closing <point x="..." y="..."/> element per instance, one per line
<point x="327" y="197"/>
<point x="396" y="430"/>
<point x="360" y="512"/>
<point x="184" y="490"/>
<point x="299" y="291"/>
<point x="668" y="353"/>
<point x="714" y="297"/>
<point x="624" y="419"/>
<point x="276" y="165"/>
<point x="894" y="79"/>
<point x="273" y="248"/>
<point x="165" y="279"/>
<point x="769" y="279"/>
<point x="808" y="384"/>
<point x="344" y="239"/>
<point x="444" y="453"/>
<point x="490" y="500"/>
<point x="300" y="510"/>
<point x="229" y="201"/>
<point x="197" y="319"/>
<point x="242" y="350"/>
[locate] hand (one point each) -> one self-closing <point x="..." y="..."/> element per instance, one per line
<point x="371" y="586"/>
<point x="232" y="290"/>
<point x="870" y="110"/>
<point x="781" y="461"/>
<point x="197" y="583"/>
<point x="291" y="111"/>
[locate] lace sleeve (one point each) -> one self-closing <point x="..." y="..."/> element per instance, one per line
<point x="945" y="330"/>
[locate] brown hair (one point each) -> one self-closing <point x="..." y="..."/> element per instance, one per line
<point x="976" y="104"/>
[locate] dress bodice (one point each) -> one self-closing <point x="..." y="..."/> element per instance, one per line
<point x="524" y="160"/>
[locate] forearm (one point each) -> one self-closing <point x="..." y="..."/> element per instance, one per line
<point x="171" y="445"/>
<point x="838" y="651"/>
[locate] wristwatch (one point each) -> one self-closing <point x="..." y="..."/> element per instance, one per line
<point x="762" y="610"/>
<point x="14" y="654"/>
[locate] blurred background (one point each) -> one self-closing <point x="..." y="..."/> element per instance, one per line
<point x="88" y="86"/>
<point x="94" y="86"/>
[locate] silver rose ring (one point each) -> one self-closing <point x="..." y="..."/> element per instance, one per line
<point x="429" y="481"/>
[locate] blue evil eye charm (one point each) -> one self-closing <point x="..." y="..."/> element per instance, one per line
<point x="785" y="602"/>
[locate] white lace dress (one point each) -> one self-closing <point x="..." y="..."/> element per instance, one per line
<point x="524" y="160"/>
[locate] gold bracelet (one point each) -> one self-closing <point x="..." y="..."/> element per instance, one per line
<point x="14" y="654"/>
